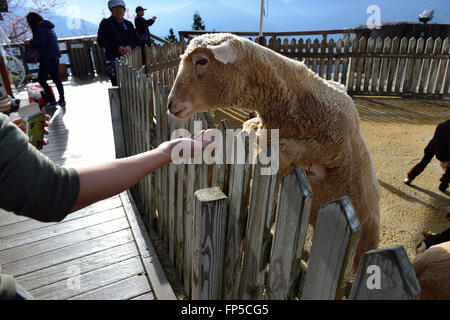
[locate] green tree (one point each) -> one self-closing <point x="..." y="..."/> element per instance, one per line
<point x="171" y="37"/>
<point x="198" y="22"/>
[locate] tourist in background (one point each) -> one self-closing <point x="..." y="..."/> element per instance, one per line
<point x="439" y="147"/>
<point x="142" y="26"/>
<point x="117" y="35"/>
<point x="45" y="40"/>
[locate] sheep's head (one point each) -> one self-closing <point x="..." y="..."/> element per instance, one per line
<point x="208" y="78"/>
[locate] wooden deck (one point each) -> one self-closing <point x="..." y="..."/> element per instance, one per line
<point x="100" y="252"/>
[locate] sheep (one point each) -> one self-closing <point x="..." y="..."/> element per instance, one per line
<point x="432" y="270"/>
<point x="319" y="126"/>
<point x="438" y="146"/>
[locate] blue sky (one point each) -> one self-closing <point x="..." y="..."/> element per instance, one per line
<point x="282" y="15"/>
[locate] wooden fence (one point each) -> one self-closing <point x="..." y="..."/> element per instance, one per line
<point x="365" y="66"/>
<point x="230" y="231"/>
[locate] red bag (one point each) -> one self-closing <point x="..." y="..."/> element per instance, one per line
<point x="35" y="94"/>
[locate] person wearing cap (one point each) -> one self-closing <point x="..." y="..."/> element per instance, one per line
<point x="117" y="35"/>
<point x="142" y="25"/>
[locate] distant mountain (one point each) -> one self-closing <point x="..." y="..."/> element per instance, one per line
<point x="281" y="15"/>
<point x="65" y="28"/>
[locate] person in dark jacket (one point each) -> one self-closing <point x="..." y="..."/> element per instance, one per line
<point x="117" y="35"/>
<point x="439" y="146"/>
<point x="142" y="25"/>
<point x="45" y="40"/>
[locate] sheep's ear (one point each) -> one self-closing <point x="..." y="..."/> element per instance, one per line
<point x="225" y="53"/>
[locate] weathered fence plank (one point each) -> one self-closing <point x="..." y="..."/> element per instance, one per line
<point x="393" y="64"/>
<point x="239" y="188"/>
<point x="443" y="63"/>
<point x="334" y="244"/>
<point x="220" y="171"/>
<point x="172" y="171"/>
<point x="116" y="117"/>
<point x="434" y="66"/>
<point x="384" y="69"/>
<point x="360" y="65"/>
<point x="401" y="66"/>
<point x="191" y="186"/>
<point x="179" y="219"/>
<point x="385" y="274"/>
<point x="417" y="67"/>
<point x="209" y="244"/>
<point x="291" y="223"/>
<point x="368" y="64"/>
<point x="350" y="85"/>
<point x="258" y="238"/>
<point x="426" y="66"/>
<point x="409" y="66"/>
<point x="375" y="78"/>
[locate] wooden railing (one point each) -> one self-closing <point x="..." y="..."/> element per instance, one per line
<point x="219" y="222"/>
<point x="83" y="55"/>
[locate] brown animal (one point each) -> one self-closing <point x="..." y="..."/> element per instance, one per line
<point x="433" y="272"/>
<point x="317" y="121"/>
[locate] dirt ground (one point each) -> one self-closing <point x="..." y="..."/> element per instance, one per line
<point x="396" y="146"/>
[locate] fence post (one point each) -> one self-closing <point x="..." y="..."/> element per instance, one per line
<point x="334" y="244"/>
<point x="209" y="244"/>
<point x="385" y="274"/>
<point x="238" y="192"/>
<point x="117" y="124"/>
<point x="291" y="223"/>
<point x="258" y="237"/>
<point x="219" y="173"/>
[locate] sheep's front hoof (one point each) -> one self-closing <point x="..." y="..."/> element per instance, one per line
<point x="407" y="181"/>
<point x="253" y="124"/>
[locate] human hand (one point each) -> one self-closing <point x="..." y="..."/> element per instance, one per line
<point x="22" y="126"/>
<point x="154" y="17"/>
<point x="174" y="149"/>
<point x="27" y="42"/>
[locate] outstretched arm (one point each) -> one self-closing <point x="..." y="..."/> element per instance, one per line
<point x="108" y="179"/>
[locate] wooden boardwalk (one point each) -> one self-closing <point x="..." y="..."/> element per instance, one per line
<point x="100" y="252"/>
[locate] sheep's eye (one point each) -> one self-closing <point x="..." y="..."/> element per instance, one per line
<point x="201" y="62"/>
